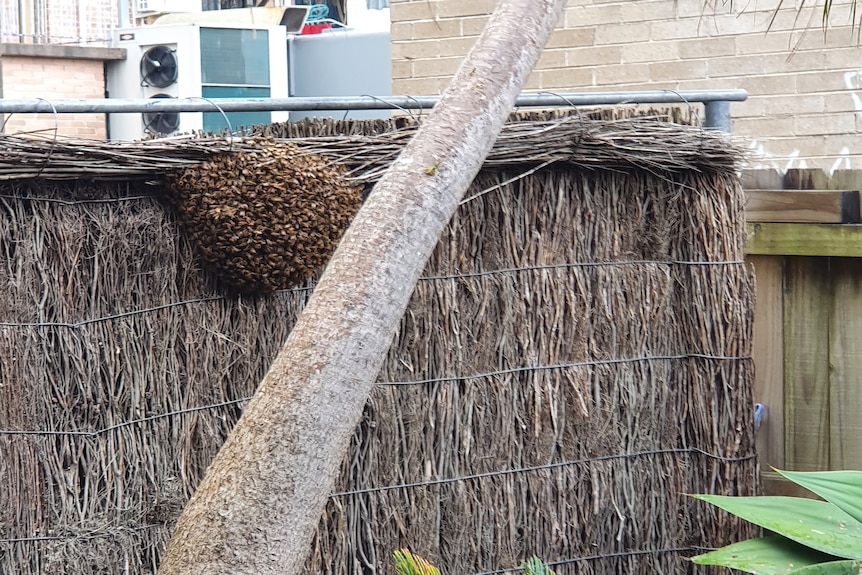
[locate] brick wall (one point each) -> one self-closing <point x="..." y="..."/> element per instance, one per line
<point x="53" y="78"/>
<point x="805" y="105"/>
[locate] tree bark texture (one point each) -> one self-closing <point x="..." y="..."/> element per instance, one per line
<point x="257" y="507"/>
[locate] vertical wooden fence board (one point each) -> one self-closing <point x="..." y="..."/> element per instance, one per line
<point x="807" y="308"/>
<point x="845" y="357"/>
<point x="821" y="359"/>
<point x="845" y="180"/>
<point x="806" y="179"/>
<point x="768" y="352"/>
<point x="762" y="179"/>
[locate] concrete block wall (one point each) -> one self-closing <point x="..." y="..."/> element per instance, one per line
<point x="805" y="105"/>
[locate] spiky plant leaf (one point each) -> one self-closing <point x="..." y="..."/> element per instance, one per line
<point x="843" y="489"/>
<point x="772" y="555"/>
<point x="846" y="567"/>
<point x="406" y="563"/>
<point x="817" y="524"/>
<point x="535" y="566"/>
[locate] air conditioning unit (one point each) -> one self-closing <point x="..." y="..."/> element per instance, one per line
<point x="150" y="7"/>
<point x="191" y="61"/>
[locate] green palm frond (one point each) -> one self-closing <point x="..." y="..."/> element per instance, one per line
<point x="825" y="12"/>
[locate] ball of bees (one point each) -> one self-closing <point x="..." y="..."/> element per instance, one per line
<point x="265" y="219"/>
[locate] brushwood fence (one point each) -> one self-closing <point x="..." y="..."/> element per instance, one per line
<point x="575" y="359"/>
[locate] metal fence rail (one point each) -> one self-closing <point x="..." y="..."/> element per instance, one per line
<point x="716" y="103"/>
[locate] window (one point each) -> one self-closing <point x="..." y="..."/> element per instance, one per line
<point x="226" y="4"/>
<point x="234" y="64"/>
<point x="230" y="56"/>
<point x="215" y="122"/>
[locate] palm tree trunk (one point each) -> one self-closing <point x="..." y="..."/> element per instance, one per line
<point x="258" y="505"/>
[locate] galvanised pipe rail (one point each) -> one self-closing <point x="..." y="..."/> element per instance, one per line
<point x="716" y="103"/>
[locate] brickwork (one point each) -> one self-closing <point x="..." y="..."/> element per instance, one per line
<point x="26" y="77"/>
<point x="805" y="108"/>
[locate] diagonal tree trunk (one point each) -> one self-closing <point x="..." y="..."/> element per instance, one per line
<point x="256" y="509"/>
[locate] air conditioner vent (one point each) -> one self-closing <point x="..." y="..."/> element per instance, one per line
<point x="161" y="123"/>
<point x="159" y="67"/>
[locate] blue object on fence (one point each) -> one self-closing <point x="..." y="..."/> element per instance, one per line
<point x="318" y="12"/>
<point x="759" y="411"/>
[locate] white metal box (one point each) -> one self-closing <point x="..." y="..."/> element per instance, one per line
<point x="212" y="61"/>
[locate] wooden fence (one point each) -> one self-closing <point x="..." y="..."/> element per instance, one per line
<point x="806" y="247"/>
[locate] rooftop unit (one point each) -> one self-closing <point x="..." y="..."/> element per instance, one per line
<point x="192" y="61"/>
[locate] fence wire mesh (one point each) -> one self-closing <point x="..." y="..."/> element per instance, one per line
<point x="575" y="359"/>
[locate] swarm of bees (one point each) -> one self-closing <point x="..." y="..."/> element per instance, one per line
<point x="267" y="219"/>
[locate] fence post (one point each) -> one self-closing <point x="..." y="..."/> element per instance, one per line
<point x="717" y="115"/>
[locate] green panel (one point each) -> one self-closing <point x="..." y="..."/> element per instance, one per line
<point x="215" y="122"/>
<point x="237" y="57"/>
<point x="842" y="240"/>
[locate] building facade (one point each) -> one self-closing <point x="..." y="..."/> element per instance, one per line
<point x="57" y="49"/>
<point x="90" y="22"/>
<point x="29" y="71"/>
<point x="69" y="22"/>
<point x="805" y="104"/>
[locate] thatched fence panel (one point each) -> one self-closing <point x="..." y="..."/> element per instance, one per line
<point x="574" y="360"/>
